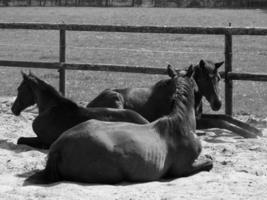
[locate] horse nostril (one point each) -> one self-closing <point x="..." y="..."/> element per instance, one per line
<point x="15" y="111"/>
<point x="216" y="105"/>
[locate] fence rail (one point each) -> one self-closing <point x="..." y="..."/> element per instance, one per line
<point x="147" y="3"/>
<point x="228" y="32"/>
<point x="138" y="29"/>
<point x="120" y="68"/>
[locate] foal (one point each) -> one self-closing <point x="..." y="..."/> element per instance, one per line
<point x="110" y="152"/>
<point x="153" y="105"/>
<point x="57" y="113"/>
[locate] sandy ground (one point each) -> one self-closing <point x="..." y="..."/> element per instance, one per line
<point x="240" y="169"/>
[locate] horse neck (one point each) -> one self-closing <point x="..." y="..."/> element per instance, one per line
<point x="45" y="99"/>
<point x="174" y="128"/>
<point x="198" y="95"/>
<point x="198" y="98"/>
<point x="180" y="122"/>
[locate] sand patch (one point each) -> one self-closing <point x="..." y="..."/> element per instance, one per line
<point x="240" y="169"/>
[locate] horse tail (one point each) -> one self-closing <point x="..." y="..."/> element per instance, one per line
<point x="49" y="174"/>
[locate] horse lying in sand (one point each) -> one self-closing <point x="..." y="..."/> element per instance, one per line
<point x="110" y="152"/>
<point x="153" y="105"/>
<point x="57" y="113"/>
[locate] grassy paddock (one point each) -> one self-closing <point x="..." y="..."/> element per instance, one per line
<point x="250" y="53"/>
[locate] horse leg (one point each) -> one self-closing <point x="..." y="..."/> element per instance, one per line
<point x="32" y="142"/>
<point x="199" y="166"/>
<point x="205" y="123"/>
<point x="235" y="122"/>
<point x="196" y="167"/>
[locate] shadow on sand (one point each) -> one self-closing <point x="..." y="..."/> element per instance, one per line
<point x="27" y="182"/>
<point x="33" y="178"/>
<point x="5" y="144"/>
<point x="218" y="136"/>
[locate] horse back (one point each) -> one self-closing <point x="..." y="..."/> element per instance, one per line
<point x="148" y="102"/>
<point x="107" y="99"/>
<point x="135" y="98"/>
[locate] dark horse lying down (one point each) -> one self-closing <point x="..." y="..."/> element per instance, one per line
<point x="153" y="105"/>
<point x="110" y="152"/>
<point x="57" y="113"/>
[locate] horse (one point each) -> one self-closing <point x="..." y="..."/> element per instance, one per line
<point x="57" y="113"/>
<point x="110" y="152"/>
<point x="153" y="105"/>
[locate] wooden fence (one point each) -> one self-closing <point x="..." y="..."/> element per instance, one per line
<point x="62" y="66"/>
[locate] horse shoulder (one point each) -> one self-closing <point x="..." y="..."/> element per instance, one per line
<point x="140" y="94"/>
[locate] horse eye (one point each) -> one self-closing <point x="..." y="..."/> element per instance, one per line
<point x="217" y="78"/>
<point x="211" y="75"/>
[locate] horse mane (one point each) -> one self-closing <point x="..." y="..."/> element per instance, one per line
<point x="182" y="105"/>
<point x="183" y="97"/>
<point x="50" y="90"/>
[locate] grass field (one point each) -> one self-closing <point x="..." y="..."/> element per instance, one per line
<point x="250" y="53"/>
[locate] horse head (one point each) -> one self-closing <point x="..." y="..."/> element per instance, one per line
<point x="25" y="96"/>
<point x="207" y="78"/>
<point x="175" y="80"/>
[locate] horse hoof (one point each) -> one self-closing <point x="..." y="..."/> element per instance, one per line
<point x="20" y="141"/>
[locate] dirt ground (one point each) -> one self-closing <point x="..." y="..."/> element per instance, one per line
<point x="240" y="168"/>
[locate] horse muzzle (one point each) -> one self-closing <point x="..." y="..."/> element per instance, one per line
<point x="216" y="105"/>
<point x="15" y="110"/>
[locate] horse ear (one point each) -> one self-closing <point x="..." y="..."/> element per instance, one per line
<point x="24" y="75"/>
<point x="31" y="74"/>
<point x="202" y="64"/>
<point x="29" y="78"/>
<point x="190" y="71"/>
<point x="171" y="71"/>
<point x="217" y="65"/>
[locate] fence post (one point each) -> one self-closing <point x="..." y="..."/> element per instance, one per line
<point x="228" y="68"/>
<point x="62" y="58"/>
